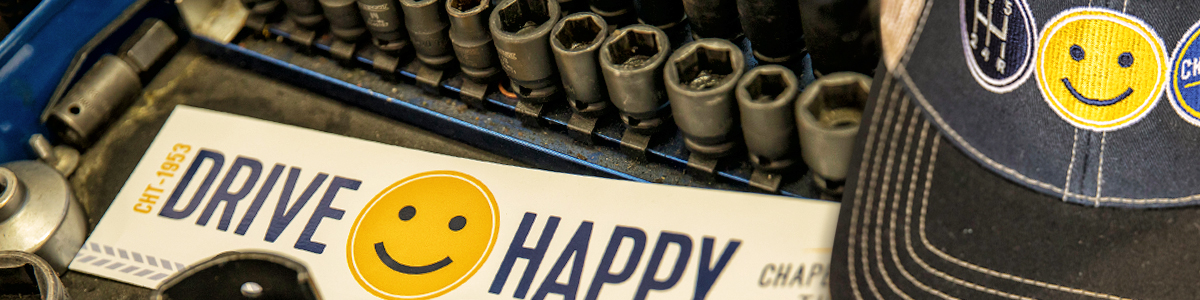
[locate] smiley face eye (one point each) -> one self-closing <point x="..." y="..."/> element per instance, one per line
<point x="407" y="213"/>
<point x="1125" y="60"/>
<point x="1077" y="52"/>
<point x="457" y="223"/>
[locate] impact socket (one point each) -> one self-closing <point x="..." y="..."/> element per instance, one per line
<point x="383" y="19"/>
<point x="766" y="96"/>
<point x="576" y="40"/>
<point x="305" y="13"/>
<point x="344" y="19"/>
<point x="700" y="79"/>
<point x="771" y="25"/>
<point x="632" y="61"/>
<point x="471" y="39"/>
<point x="427" y="26"/>
<point x="841" y="35"/>
<point x="617" y="13"/>
<point x="521" y="31"/>
<point x="713" y="18"/>
<point x="828" y="115"/>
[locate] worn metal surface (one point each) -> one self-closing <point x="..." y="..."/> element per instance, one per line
<point x="828" y="115"/>
<point x="700" y="79"/>
<point x="576" y="39"/>
<point x="521" y="31"/>
<point x="240" y="275"/>
<point x="45" y="283"/>
<point x="471" y="39"/>
<point x="39" y="214"/>
<point x="632" y="62"/>
<point x="766" y="96"/>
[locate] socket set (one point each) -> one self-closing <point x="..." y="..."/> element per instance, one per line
<point x="636" y="85"/>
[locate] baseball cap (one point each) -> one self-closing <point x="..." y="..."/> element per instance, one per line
<point x="1023" y="149"/>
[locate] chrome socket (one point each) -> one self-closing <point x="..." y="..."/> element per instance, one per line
<point x="632" y="61"/>
<point x="828" y="115"/>
<point x="39" y="214"/>
<point x="766" y="98"/>
<point x="521" y="31"/>
<point x="700" y="79"/>
<point x="471" y="40"/>
<point x="428" y="28"/>
<point x="576" y="39"/>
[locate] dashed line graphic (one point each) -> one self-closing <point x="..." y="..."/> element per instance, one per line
<point x="110" y="258"/>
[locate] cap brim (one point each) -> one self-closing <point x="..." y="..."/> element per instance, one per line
<point x="922" y="220"/>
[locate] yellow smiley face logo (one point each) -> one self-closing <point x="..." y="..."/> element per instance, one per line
<point x="423" y="236"/>
<point x="1100" y="69"/>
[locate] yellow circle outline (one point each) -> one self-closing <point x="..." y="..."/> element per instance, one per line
<point x="1145" y="31"/>
<point x="478" y="265"/>
<point x="1177" y="97"/>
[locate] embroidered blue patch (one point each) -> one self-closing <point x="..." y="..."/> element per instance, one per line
<point x="998" y="38"/>
<point x="1185" y="77"/>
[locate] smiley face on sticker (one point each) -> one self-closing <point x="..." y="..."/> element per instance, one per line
<point x="423" y="236"/>
<point x="1100" y="69"/>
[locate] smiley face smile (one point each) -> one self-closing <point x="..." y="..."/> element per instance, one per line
<point x="1100" y="69"/>
<point x="440" y="227"/>
<point x="406" y="269"/>
<point x="1085" y="99"/>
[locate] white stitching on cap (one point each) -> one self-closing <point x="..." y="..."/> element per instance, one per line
<point x="1100" y="167"/>
<point x="1071" y="165"/>
<point x="887" y="177"/>
<point x="929" y="246"/>
<point x="875" y="160"/>
<point x="918" y="260"/>
<point x="862" y="173"/>
<point x="912" y="187"/>
<point x="951" y="133"/>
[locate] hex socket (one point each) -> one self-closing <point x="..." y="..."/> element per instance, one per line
<point x="632" y="61"/>
<point x="306" y="13"/>
<point x="700" y="79"/>
<point x="766" y="98"/>
<point x="713" y="18"/>
<point x="471" y="40"/>
<point x="840" y="35"/>
<point x="828" y="115"/>
<point x="770" y="25"/>
<point x="344" y="19"/>
<point x="90" y="103"/>
<point x="661" y="14"/>
<point x="576" y="39"/>
<point x="427" y="26"/>
<point x="616" y="12"/>
<point x="383" y="20"/>
<point x="521" y="31"/>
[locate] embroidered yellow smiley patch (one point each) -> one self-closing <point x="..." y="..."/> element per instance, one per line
<point x="1100" y="69"/>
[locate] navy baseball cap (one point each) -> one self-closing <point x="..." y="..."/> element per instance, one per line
<point x="1026" y="149"/>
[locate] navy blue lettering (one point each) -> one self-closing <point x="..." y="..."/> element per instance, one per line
<point x="577" y="247"/>
<point x="231" y="199"/>
<point x="604" y="272"/>
<point x="218" y="160"/>
<point x="708" y="275"/>
<point x="284" y="215"/>
<point x="255" y="205"/>
<point x="517" y="250"/>
<point x="685" y="253"/>
<point x="324" y="211"/>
